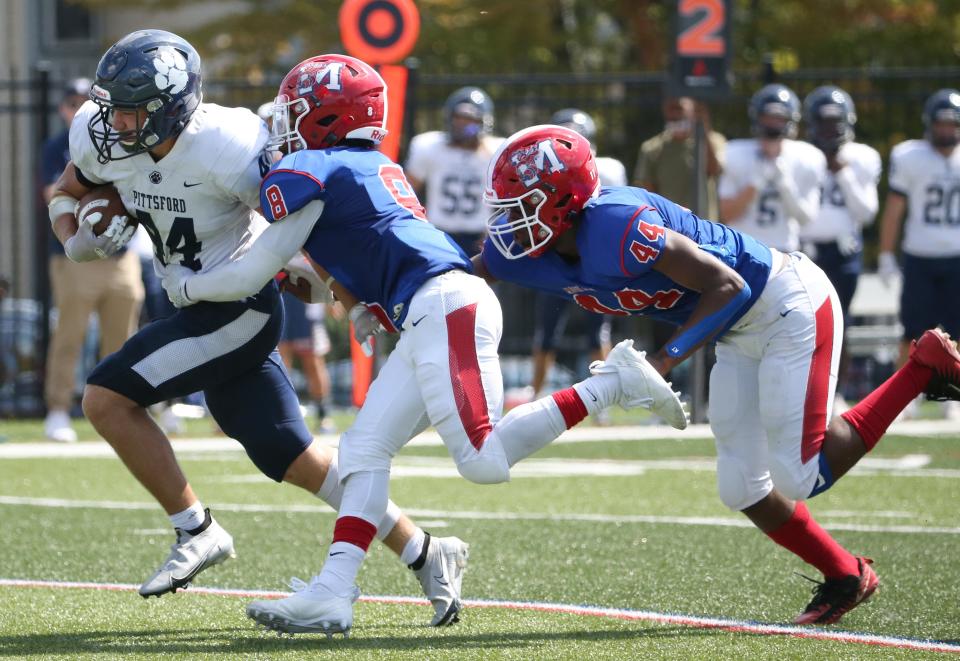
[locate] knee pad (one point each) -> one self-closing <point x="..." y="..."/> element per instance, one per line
<point x="735" y="487"/>
<point x="793" y="484"/>
<point x="485" y="470"/>
<point x="360" y="452"/>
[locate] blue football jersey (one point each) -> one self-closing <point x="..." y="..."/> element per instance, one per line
<point x="620" y="237"/>
<point x="372" y="236"/>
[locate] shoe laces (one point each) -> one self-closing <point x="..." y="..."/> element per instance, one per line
<point x="832" y="592"/>
<point x="299" y="585"/>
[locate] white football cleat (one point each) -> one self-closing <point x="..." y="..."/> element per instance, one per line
<point x="441" y="577"/>
<point x="312" y="608"/>
<point x="641" y="385"/>
<point x="189" y="556"/>
<point x="57" y="427"/>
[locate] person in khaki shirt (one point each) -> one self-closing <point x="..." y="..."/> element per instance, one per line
<point x="666" y="160"/>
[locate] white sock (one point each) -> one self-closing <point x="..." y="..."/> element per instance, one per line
<point x="413" y="547"/>
<point x="339" y="572"/>
<point x="389" y="520"/>
<point x="598" y="391"/>
<point x="190" y="518"/>
<point x="331" y="492"/>
<point x="528" y="427"/>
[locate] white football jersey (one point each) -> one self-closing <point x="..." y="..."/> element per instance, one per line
<point x="765" y="218"/>
<point x="453" y="178"/>
<point x="839" y="218"/>
<point x="197" y="202"/>
<point x="611" y="171"/>
<point x="931" y="183"/>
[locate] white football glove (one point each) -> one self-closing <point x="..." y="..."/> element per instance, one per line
<point x="887" y="268"/>
<point x="365" y="327"/>
<point x="85" y="246"/>
<point x="174" y="282"/>
<point x="118" y="231"/>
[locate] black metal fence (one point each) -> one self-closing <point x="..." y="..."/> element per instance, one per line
<point x="626" y="108"/>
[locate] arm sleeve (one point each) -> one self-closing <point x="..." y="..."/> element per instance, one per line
<point x="246" y="160"/>
<point x="286" y="190"/>
<point x="267" y="256"/>
<point x="416" y="165"/>
<point x="641" y="240"/>
<point x="82" y="153"/>
<point x="728" y="186"/>
<point x="858" y="182"/>
<point x="899" y="176"/>
<point x="801" y="195"/>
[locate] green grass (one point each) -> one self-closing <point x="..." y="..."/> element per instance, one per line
<point x="526" y="544"/>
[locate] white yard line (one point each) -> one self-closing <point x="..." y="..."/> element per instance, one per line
<point x="431" y="438"/>
<point x="693" y="621"/>
<point x="722" y="522"/>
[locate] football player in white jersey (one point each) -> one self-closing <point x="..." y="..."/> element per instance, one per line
<point x="770" y="185"/>
<point x="446" y="168"/>
<point x="834" y="239"/>
<point x="190" y="172"/>
<point x="925" y="185"/>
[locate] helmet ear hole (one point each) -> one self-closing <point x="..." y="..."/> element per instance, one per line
<point x="328" y="120"/>
<point x="564" y="201"/>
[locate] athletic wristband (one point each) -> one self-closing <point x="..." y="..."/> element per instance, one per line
<point x="61" y="204"/>
<point x="706" y="327"/>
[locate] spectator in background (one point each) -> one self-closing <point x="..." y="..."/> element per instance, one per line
<point x="666" y="167"/>
<point x="446" y="168"/>
<point x="834" y="239"/>
<point x="552" y="312"/>
<point x="666" y="160"/>
<point x="925" y="186"/>
<point x="770" y="185"/>
<point x="305" y="339"/>
<point x="111" y="287"/>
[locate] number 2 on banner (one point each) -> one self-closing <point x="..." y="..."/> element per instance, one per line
<point x="703" y="37"/>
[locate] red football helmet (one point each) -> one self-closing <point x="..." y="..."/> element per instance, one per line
<point x="327" y="99"/>
<point x="537" y="183"/>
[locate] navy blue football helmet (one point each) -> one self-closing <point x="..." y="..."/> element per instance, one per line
<point x="942" y="106"/>
<point x="151" y="70"/>
<point x="830" y="117"/>
<point x="470" y="102"/>
<point x="575" y="119"/>
<point x="774" y="100"/>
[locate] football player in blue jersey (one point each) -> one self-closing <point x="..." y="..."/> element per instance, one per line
<point x="354" y="214"/>
<point x="775" y="317"/>
<point x="190" y="171"/>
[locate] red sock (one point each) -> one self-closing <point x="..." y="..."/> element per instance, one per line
<point x="873" y="415"/>
<point x="354" y="530"/>
<point x="571" y="406"/>
<point x="803" y="536"/>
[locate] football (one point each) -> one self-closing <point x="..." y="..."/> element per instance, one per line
<point x="106" y="201"/>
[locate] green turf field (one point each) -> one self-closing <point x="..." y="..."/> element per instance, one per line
<point x="632" y="525"/>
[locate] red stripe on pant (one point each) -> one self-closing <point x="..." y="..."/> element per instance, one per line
<point x="354" y="530"/>
<point x="465" y="374"/>
<point x="818" y="384"/>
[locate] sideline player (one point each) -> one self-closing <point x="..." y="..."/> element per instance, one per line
<point x="770" y="185"/>
<point x="446" y="168"/>
<point x="353" y="212"/>
<point x="925" y="186"/>
<point x="775" y="316"/>
<point x="191" y="172"/>
<point x="834" y="238"/>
